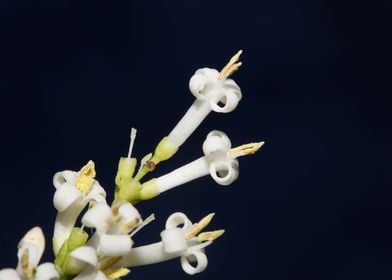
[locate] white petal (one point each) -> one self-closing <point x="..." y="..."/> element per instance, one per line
<point x="128" y="212"/>
<point x="9" y="274"/>
<point x="201" y="82"/>
<point x="64" y="176"/>
<point x="47" y="271"/>
<point x="224" y="172"/>
<point x="97" y="216"/>
<point x="199" y="258"/>
<point x="85" y="254"/>
<point x="34" y="243"/>
<point x="216" y="145"/>
<point x="229" y="100"/>
<point x="177" y="219"/>
<point x="65" y="196"/>
<point x="114" y="245"/>
<point x="173" y="240"/>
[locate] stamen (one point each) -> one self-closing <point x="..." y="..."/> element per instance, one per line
<point x="108" y="263"/>
<point x="132" y="142"/>
<point x="86" y="177"/>
<point x="246" y="149"/>
<point x="113" y="273"/>
<point x="128" y="227"/>
<point x="148" y="220"/>
<point x="200" y="226"/>
<point x="27" y="271"/>
<point x="231" y="66"/>
<point x="210" y="235"/>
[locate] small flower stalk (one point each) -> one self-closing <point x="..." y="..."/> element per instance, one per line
<point x="93" y="239"/>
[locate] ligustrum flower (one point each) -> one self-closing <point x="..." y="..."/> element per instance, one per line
<point x="74" y="191"/>
<point x="219" y="161"/>
<point x="181" y="239"/>
<point x="214" y="92"/>
<point x="106" y="250"/>
<point x="30" y="250"/>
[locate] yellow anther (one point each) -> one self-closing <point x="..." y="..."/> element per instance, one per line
<point x="246" y="149"/>
<point x="27" y="271"/>
<point x="210" y="235"/>
<point x="116" y="273"/>
<point x="200" y="226"/>
<point x="128" y="227"/>
<point x="231" y="66"/>
<point x="86" y="177"/>
<point x="108" y="263"/>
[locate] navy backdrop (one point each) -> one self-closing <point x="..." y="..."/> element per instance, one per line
<point x="314" y="203"/>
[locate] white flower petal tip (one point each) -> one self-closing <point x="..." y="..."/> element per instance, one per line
<point x="216" y="142"/>
<point x="30" y="250"/>
<point x="224" y="172"/>
<point x="65" y="196"/>
<point x="173" y="237"/>
<point x="64" y="176"/>
<point x="223" y="95"/>
<point x="194" y="263"/>
<point x="98" y="216"/>
<point x="9" y="274"/>
<point x="114" y="245"/>
<point x="47" y="271"/>
<point x="85" y="254"/>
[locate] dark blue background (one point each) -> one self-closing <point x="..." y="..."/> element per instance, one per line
<point x="315" y="203"/>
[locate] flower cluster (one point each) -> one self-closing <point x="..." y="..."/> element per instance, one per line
<point x="108" y="251"/>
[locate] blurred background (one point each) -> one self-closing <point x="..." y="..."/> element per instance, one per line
<point x="314" y="203"/>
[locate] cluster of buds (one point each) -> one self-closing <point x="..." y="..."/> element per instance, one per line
<point x="108" y="252"/>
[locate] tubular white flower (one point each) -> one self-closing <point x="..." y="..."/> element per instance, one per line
<point x="69" y="200"/>
<point x="217" y="161"/>
<point x="176" y="242"/>
<point x="9" y="274"/>
<point x="210" y="91"/>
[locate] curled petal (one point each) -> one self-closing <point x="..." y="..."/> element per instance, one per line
<point x="9" y="274"/>
<point x="128" y="212"/>
<point x="47" y="271"/>
<point x="65" y="195"/>
<point x="64" y="176"/>
<point x="217" y="144"/>
<point x="229" y="101"/>
<point x="198" y="258"/>
<point x="224" y="172"/>
<point x="173" y="240"/>
<point x="201" y="81"/>
<point x="114" y="245"/>
<point x="85" y="254"/>
<point x="178" y="219"/>
<point x="97" y="216"/>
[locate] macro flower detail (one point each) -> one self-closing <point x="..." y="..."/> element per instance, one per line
<point x="219" y="161"/>
<point x="74" y="191"/>
<point x="186" y="242"/>
<point x="30" y="250"/>
<point x="102" y="246"/>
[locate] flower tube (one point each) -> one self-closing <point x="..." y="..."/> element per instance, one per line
<point x="185" y="242"/>
<point x="214" y="92"/>
<point x="219" y="160"/>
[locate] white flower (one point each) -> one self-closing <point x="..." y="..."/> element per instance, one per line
<point x="176" y="242"/>
<point x="219" y="161"/>
<point x="74" y="190"/>
<point x="214" y="92"/>
<point x="30" y="250"/>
